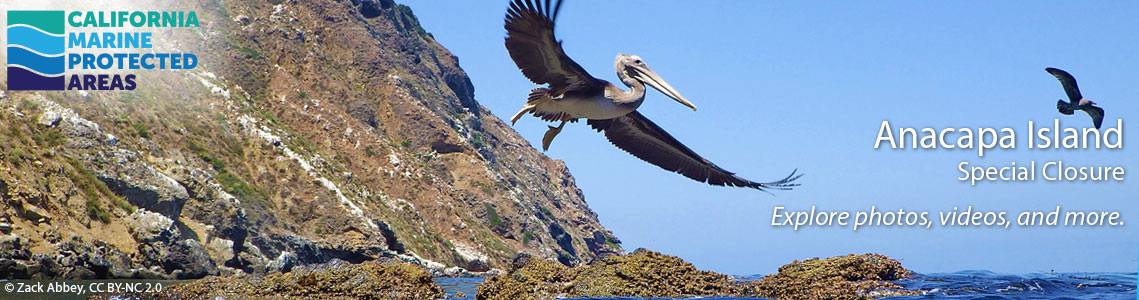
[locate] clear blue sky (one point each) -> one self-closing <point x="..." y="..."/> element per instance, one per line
<point x="785" y="85"/>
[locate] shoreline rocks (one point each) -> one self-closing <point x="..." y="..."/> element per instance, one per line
<point x="645" y="273"/>
<point x="338" y="279"/>
<point x="864" y="276"/>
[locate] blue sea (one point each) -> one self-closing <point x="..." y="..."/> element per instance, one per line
<point x="958" y="285"/>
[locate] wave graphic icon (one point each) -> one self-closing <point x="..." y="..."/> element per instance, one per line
<point x="35" y="40"/>
<point x="20" y="79"/>
<point x="36" y="44"/>
<point x="47" y="65"/>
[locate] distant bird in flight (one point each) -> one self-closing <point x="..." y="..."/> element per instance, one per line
<point x="1076" y="101"/>
<point x="573" y="94"/>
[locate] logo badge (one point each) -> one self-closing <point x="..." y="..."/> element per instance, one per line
<point x="36" y="42"/>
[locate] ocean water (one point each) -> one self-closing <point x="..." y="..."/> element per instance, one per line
<point x="959" y="285"/>
<point x="988" y="285"/>
<point x="453" y="286"/>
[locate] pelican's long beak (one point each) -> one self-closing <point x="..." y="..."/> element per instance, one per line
<point x="646" y="75"/>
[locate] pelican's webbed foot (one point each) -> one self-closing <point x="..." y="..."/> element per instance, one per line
<point x="550" y="134"/>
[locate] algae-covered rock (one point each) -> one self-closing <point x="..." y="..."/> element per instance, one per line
<point x="642" y="273"/>
<point x="386" y="279"/>
<point x="852" y="276"/>
<point x="650" y="274"/>
<point x="528" y="278"/>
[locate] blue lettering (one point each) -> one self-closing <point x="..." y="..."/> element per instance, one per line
<point x="146" y="63"/>
<point x="175" y="61"/>
<point x="76" y="39"/>
<point x="110" y="61"/>
<point x="88" y="61"/>
<point x="190" y="59"/>
<point x="93" y="41"/>
<point x="132" y="61"/>
<point x="145" y="40"/>
<point x="162" y="59"/>
<point x="73" y="59"/>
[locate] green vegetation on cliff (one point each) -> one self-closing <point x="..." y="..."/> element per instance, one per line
<point x="310" y="131"/>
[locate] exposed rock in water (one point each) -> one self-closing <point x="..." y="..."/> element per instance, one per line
<point x="863" y="276"/>
<point x="645" y="273"/>
<point x="640" y="274"/>
<point x="337" y="279"/>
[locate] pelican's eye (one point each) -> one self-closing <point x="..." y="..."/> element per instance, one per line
<point x="637" y="61"/>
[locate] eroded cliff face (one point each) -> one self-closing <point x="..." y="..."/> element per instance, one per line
<point x="310" y="131"/>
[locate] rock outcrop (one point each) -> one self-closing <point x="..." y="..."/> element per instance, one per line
<point x="645" y="273"/>
<point x="865" y="276"/>
<point x="334" y="280"/>
<point x="310" y="131"/>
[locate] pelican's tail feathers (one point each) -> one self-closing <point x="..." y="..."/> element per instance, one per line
<point x="1064" y="107"/>
<point x="537" y="96"/>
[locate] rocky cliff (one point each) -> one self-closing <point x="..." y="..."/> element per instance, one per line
<point x="310" y="131"/>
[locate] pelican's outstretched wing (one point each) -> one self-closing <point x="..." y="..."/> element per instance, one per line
<point x="531" y="43"/>
<point x="1069" y="84"/>
<point x="641" y="138"/>
<point x="1096" y="113"/>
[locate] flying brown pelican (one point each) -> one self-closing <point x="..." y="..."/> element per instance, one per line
<point x="1077" y="101"/>
<point x="573" y="94"/>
